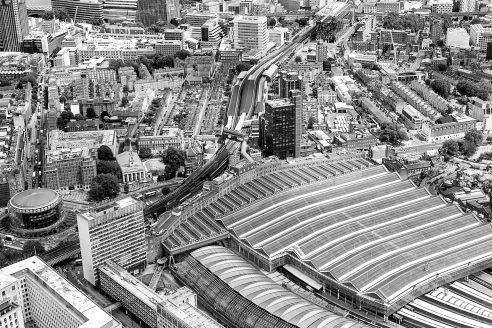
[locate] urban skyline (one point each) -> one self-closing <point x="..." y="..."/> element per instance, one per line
<point x="245" y="163"/>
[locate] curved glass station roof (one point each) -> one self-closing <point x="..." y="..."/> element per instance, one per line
<point x="265" y="293"/>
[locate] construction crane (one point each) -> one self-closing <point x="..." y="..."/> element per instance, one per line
<point x="75" y="16"/>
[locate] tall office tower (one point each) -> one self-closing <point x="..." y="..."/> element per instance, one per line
<point x="32" y="294"/>
<point x="113" y="231"/>
<point x="289" y="81"/>
<point x="282" y="126"/>
<point x="250" y="32"/>
<point x="152" y="11"/>
<point x="488" y="56"/>
<point x="436" y="30"/>
<point x="13" y="24"/>
<point x="468" y="6"/>
<point x="120" y="9"/>
<point x="87" y="10"/>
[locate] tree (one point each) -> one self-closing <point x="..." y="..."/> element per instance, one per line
<point x="104" y="153"/>
<point x="474" y="136"/>
<point x="79" y="117"/>
<point x="392" y="133"/>
<point x="440" y="43"/>
<point x="48" y="15"/>
<point x="144" y="152"/>
<point x="450" y="148"/>
<point x="442" y="67"/>
<point x="91" y="113"/>
<point x="104" y="186"/>
<point x="242" y="67"/>
<point x="126" y="188"/>
<point x="182" y="54"/>
<point x="467" y="148"/>
<point x="64" y="118"/>
<point x="61" y="14"/>
<point x="440" y="87"/>
<point x="32" y="247"/>
<point x="165" y="190"/>
<point x="311" y="121"/>
<point x="272" y="21"/>
<point x="471" y="90"/>
<point x="108" y="167"/>
<point x="174" y="159"/>
<point x="124" y="101"/>
<point x="4" y="83"/>
<point x="174" y="21"/>
<point x="298" y="59"/>
<point x="125" y="89"/>
<point x="104" y="114"/>
<point x="409" y="21"/>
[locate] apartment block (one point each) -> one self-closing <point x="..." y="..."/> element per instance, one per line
<point x="112" y="231"/>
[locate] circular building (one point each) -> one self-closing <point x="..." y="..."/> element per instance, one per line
<point x="35" y="209"/>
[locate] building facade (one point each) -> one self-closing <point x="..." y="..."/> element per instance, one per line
<point x="13" y="24"/>
<point x="86" y="10"/>
<point x="282" y="126"/>
<point x="45" y="298"/>
<point x="113" y="231"/>
<point x="69" y="169"/>
<point x="250" y="32"/>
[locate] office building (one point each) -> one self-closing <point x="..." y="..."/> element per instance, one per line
<point x="250" y="32"/>
<point x="289" y="81"/>
<point x="112" y="231"/>
<point x="35" y="295"/>
<point x="442" y="6"/>
<point x="152" y="11"/>
<point x="13" y="24"/>
<point x="282" y="126"/>
<point x="87" y="10"/>
<point x="170" y="310"/>
<point x="10" y="301"/>
<point x="68" y="169"/>
<point x="212" y="33"/>
<point x="120" y="10"/>
<point x="480" y="35"/>
<point x="168" y="47"/>
<point x="468" y="6"/>
<point x="198" y="19"/>
<point x="170" y="137"/>
<point x="388" y="7"/>
<point x="278" y="35"/>
<point x="458" y="38"/>
<point x="74" y="140"/>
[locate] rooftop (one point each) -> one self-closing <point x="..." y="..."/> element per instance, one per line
<point x="65" y="292"/>
<point x="34" y="198"/>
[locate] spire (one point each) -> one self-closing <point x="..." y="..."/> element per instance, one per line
<point x="131" y="155"/>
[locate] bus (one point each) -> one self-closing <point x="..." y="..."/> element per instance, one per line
<point x="150" y="193"/>
<point x="139" y="197"/>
